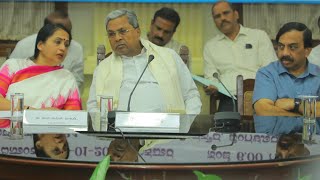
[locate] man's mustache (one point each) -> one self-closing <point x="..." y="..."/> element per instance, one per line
<point x="286" y="58"/>
<point x="159" y="38"/>
<point x="223" y="22"/>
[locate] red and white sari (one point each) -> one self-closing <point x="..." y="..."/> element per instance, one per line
<point x="42" y="86"/>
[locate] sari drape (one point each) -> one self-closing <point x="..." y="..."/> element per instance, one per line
<point x="42" y="86"/>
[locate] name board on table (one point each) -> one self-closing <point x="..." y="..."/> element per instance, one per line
<point x="147" y="122"/>
<point x="38" y="121"/>
<point x="40" y="117"/>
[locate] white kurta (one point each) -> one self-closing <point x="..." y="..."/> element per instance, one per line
<point x="147" y="96"/>
<point x="314" y="56"/>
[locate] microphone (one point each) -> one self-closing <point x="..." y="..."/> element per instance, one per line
<point x="112" y="114"/>
<point x="101" y="53"/>
<point x="151" y="57"/>
<point x="227" y="121"/>
<point x="215" y="75"/>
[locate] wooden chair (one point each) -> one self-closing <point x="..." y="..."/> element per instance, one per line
<point x="244" y="103"/>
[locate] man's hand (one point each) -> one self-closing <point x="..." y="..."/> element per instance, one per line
<point x="285" y="104"/>
<point x="210" y="90"/>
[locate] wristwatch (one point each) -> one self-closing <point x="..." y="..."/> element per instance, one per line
<point x="297" y="103"/>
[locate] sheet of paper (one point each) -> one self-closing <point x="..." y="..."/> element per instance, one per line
<point x="208" y="82"/>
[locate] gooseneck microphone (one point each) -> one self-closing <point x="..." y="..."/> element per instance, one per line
<point x="228" y="121"/>
<point x="151" y="57"/>
<point x="215" y="75"/>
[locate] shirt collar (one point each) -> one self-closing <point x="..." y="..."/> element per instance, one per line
<point x="311" y="69"/>
<point x="243" y="31"/>
<point x="142" y="53"/>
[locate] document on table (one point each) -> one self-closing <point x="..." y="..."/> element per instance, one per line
<point x="208" y="82"/>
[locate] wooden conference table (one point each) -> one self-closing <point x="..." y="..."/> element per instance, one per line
<point x="162" y="155"/>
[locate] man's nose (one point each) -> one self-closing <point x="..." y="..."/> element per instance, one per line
<point x="61" y="147"/>
<point x="118" y="37"/>
<point x="223" y="17"/>
<point x="160" y="33"/>
<point x="286" y="51"/>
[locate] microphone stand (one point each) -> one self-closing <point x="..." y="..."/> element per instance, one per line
<point x="228" y="120"/>
<point x="112" y="114"/>
<point x="151" y="57"/>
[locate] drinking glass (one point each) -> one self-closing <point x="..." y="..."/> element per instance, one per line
<point x="106" y="105"/>
<point x="16" y="118"/>
<point x="309" y="118"/>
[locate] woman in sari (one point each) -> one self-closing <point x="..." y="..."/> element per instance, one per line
<point x="44" y="83"/>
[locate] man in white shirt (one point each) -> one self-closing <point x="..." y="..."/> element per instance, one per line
<point x="74" y="59"/>
<point x="163" y="26"/>
<point x="314" y="56"/>
<point x="236" y="51"/>
<point x="166" y="85"/>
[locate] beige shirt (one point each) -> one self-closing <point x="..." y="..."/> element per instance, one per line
<point x="250" y="50"/>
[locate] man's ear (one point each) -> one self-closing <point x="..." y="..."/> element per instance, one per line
<point x="139" y="31"/>
<point x="237" y="15"/>
<point x="38" y="145"/>
<point x="307" y="51"/>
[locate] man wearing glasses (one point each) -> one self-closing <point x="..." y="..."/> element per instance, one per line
<point x="166" y="84"/>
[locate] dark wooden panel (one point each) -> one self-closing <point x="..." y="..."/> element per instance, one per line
<point x="21" y="168"/>
<point x="63" y="6"/>
<point x="6" y="47"/>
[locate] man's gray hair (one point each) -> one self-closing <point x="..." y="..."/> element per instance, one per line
<point x="132" y="17"/>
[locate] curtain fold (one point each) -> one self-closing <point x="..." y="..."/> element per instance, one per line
<point x="20" y="19"/>
<point x="270" y="17"/>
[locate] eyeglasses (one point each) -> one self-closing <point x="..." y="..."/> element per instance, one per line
<point x="121" y="32"/>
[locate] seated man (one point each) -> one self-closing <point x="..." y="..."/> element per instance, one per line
<point x="237" y="50"/>
<point x="166" y="85"/>
<point x="74" y="59"/>
<point x="163" y="26"/>
<point x="278" y="85"/>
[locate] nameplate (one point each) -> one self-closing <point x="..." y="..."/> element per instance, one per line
<point x="147" y="122"/>
<point x="42" y="117"/>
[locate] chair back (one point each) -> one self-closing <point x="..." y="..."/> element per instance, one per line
<point x="244" y="102"/>
<point x="101" y="53"/>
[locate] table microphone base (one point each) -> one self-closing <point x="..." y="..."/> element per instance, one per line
<point x="226" y="121"/>
<point x="112" y="120"/>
